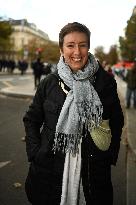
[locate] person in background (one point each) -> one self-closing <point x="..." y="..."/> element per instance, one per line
<point x="123" y="71"/>
<point x="107" y="67"/>
<point x="130" y="79"/>
<point x="67" y="165"/>
<point x="104" y="64"/>
<point x="23" y="66"/>
<point x="109" y="70"/>
<point x="38" y="69"/>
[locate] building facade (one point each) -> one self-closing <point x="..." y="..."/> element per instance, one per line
<point x="24" y="32"/>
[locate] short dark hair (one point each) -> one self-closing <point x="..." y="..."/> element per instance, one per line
<point x="72" y="27"/>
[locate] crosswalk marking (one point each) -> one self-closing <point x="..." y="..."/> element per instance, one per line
<point x="2" y="164"/>
<point x="7" y="83"/>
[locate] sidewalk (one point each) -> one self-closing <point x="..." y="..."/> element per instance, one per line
<point x="130" y="117"/>
<point x="27" y="90"/>
<point x="23" y="91"/>
<point x="131" y="152"/>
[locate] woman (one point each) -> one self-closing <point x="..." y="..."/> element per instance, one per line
<point x="68" y="165"/>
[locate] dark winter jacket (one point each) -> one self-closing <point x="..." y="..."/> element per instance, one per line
<point x="131" y="79"/>
<point x="46" y="169"/>
<point x="38" y="67"/>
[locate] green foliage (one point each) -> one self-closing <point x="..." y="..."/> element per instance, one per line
<point x="32" y="47"/>
<point x="111" y="57"/>
<point x="5" y="32"/>
<point x="100" y="54"/>
<point x="128" y="43"/>
<point x="49" y="51"/>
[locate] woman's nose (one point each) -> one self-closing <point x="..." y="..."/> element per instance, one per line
<point x="77" y="49"/>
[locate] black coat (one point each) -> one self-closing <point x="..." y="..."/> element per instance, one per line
<point x="38" y="68"/>
<point x="44" y="181"/>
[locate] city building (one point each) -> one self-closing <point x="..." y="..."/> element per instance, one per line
<point x="24" y="32"/>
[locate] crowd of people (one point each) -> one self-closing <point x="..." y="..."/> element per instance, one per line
<point x="37" y="66"/>
<point x="39" y="69"/>
<point x="9" y="65"/>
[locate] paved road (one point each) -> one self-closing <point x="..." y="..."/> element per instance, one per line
<point x="13" y="161"/>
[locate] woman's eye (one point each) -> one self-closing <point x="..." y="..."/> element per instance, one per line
<point x="83" y="45"/>
<point x="70" y="46"/>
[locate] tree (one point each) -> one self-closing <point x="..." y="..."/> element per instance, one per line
<point x="32" y="47"/>
<point x="128" y="43"/>
<point x="112" y="56"/>
<point x="100" y="54"/>
<point x="49" y="51"/>
<point x="5" y="32"/>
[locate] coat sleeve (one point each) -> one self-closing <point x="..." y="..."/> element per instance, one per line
<point x="33" y="120"/>
<point x="116" y="124"/>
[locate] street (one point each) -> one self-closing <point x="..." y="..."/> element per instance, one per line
<point x="13" y="161"/>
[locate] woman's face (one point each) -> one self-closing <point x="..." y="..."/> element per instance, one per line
<point x="75" y="50"/>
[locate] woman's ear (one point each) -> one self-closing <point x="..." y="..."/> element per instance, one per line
<point x="61" y="52"/>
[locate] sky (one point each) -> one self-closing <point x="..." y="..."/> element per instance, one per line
<point x="106" y="19"/>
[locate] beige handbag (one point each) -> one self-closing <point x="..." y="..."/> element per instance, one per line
<point x="101" y="135"/>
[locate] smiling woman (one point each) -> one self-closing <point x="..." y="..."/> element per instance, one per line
<point x="67" y="165"/>
<point x="75" y="50"/>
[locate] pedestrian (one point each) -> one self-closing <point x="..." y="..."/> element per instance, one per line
<point x="38" y="69"/>
<point x="107" y="67"/>
<point x="122" y="71"/>
<point x="130" y="79"/>
<point x="22" y="66"/>
<point x="47" y="69"/>
<point x="109" y="70"/>
<point x="104" y="64"/>
<point x="69" y="165"/>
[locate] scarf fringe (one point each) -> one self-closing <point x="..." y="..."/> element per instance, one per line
<point x="93" y="120"/>
<point x="67" y="143"/>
